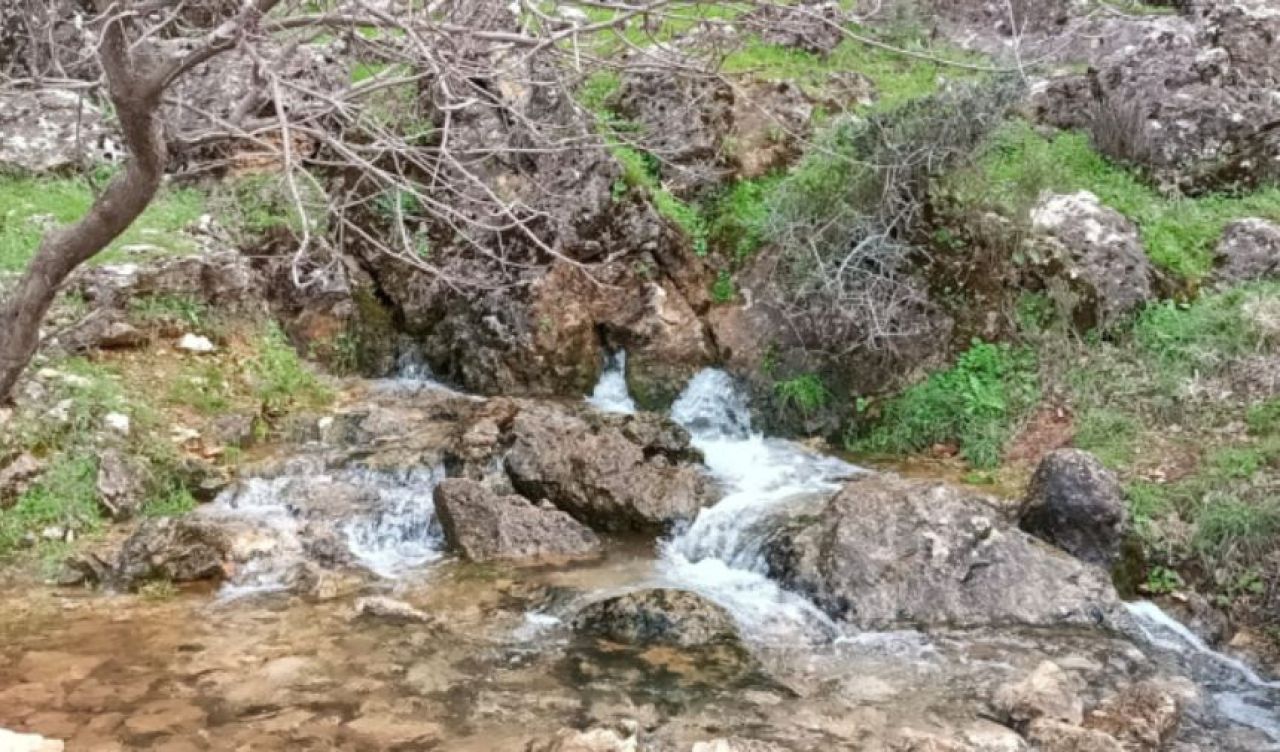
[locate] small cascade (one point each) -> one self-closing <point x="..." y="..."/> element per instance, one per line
<point x="381" y="521"/>
<point x="610" y="394"/>
<point x="720" y="553"/>
<point x="1241" y="694"/>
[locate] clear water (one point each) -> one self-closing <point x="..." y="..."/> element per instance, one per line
<point x="610" y="394"/>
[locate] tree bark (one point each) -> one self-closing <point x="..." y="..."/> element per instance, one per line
<point x="136" y="97"/>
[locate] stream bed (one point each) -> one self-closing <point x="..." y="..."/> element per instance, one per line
<point x="493" y="663"/>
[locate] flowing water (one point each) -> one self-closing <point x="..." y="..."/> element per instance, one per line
<point x="257" y="667"/>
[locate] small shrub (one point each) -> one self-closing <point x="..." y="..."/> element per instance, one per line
<point x="805" y="394"/>
<point x="976" y="403"/>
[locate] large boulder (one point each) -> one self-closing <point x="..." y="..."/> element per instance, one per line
<point x="1249" y="250"/>
<point x="592" y="467"/>
<point x="1095" y="252"/>
<point x="1193" y="102"/>
<point x="888" y="551"/>
<point x="483" y="526"/>
<point x="1076" y="503"/>
<point x="660" y="616"/>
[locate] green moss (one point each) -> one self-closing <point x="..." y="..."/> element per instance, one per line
<point x="1178" y="233"/>
<point x="976" y="404"/>
<point x="30" y="205"/>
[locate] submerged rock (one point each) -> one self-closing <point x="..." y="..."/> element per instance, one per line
<point x="483" y="526"/>
<point x="888" y="551"/>
<point x="1076" y="503"/>
<point x="391" y="610"/>
<point x="595" y="469"/>
<point x="660" y="616"/>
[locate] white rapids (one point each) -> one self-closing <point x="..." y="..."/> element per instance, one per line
<point x="719" y="555"/>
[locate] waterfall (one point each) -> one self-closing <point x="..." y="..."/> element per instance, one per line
<point x="719" y="554"/>
<point x="611" y="394"/>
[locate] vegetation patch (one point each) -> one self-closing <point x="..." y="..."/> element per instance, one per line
<point x="975" y="404"/>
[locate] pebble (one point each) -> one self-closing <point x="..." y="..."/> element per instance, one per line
<point x="195" y="343"/>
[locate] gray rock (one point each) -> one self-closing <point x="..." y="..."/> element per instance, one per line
<point x="660" y="616"/>
<point x="103" y="330"/>
<point x="390" y="609"/>
<point x="1096" y="252"/>
<point x="484" y="526"/>
<point x="1048" y="692"/>
<point x="52" y="130"/>
<point x="1048" y="735"/>
<point x="1076" y="503"/>
<point x="172" y="549"/>
<point x="587" y="466"/>
<point x="888" y="551"/>
<point x="17" y="476"/>
<point x="1249" y="250"/>
<point x="119" y="484"/>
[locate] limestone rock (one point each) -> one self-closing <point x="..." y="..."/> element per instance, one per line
<point x="119" y="484"/>
<point x="173" y="549"/>
<point x="588" y="467"/>
<point x="52" y="130"/>
<point x="1076" y="503"/>
<point x="1048" y="735"/>
<point x="1047" y="693"/>
<point x="1096" y="252"/>
<point x="1249" y="250"/>
<point x="658" y="617"/>
<point x="17" y="476"/>
<point x="484" y="526"/>
<point x="888" y="551"/>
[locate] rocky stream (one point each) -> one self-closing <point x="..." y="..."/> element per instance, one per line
<point x="777" y="611"/>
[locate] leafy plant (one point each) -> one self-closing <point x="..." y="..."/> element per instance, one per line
<point x="805" y="393"/>
<point x="1162" y="581"/>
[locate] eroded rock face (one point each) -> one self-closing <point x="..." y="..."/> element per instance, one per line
<point x="592" y="467"/>
<point x="52" y="130"/>
<point x="888" y="551"/>
<point x="1096" y="252"/>
<point x="1249" y="250"/>
<point x="658" y="617"/>
<point x="484" y="526"/>
<point x="1076" y="503"/>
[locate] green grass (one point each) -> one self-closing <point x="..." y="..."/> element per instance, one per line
<point x="27" y="205"/>
<point x="976" y="404"/>
<point x="1179" y="233"/>
<point x="281" y="380"/>
<point x="65" y="497"/>
<point x="1112" y="435"/>
<point x="739" y="216"/>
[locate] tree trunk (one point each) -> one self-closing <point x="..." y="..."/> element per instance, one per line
<point x="136" y="97"/>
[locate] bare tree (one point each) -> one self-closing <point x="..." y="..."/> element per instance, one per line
<point x="462" y="150"/>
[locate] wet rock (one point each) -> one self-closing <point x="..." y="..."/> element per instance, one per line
<point x="386" y="731"/>
<point x="1142" y="716"/>
<point x="1096" y="252"/>
<point x="1048" y="693"/>
<point x="172" y="716"/>
<point x="587" y="466"/>
<point x="12" y="741"/>
<point x="659" y="616"/>
<point x="591" y="740"/>
<point x="1076" y="503"/>
<point x="1249" y="250"/>
<point x="1048" y="735"/>
<point x="483" y="526"/>
<point x="119" y="484"/>
<point x="52" y="130"/>
<point x="17" y="476"/>
<point x="1199" y="615"/>
<point x="390" y="610"/>
<point x="888" y="551"/>
<point x="172" y="549"/>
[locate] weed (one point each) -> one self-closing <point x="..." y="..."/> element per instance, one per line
<point x="723" y="289"/>
<point x="805" y="394"/>
<point x="174" y="501"/>
<point x="158" y="590"/>
<point x="182" y="309"/>
<point x="64" y="498"/>
<point x="975" y="403"/>
<point x="1162" y="581"/>
<point x="739" y="217"/>
<point x="1110" y="434"/>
